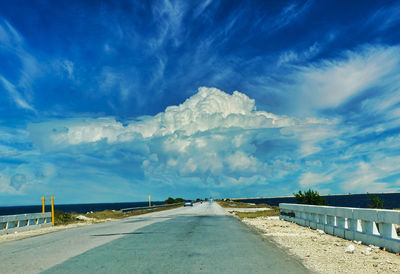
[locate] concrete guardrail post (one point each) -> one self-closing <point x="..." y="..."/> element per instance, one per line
<point x="23" y="222"/>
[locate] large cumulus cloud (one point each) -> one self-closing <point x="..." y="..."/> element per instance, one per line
<point x="209" y="109"/>
<point x="214" y="142"/>
<point x="212" y="136"/>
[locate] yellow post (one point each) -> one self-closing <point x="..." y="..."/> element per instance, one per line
<point x="52" y="209"/>
<point x="43" y="203"/>
<point x="149" y="201"/>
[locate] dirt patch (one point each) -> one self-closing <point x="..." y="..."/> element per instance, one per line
<point x="324" y="253"/>
<point x="37" y="232"/>
<point x="231" y="204"/>
<point x="253" y="212"/>
<point x="247" y="209"/>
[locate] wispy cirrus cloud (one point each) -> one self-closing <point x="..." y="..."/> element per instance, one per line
<point x="384" y="18"/>
<point x="337" y="81"/>
<point x="292" y="57"/>
<point x="289" y="14"/>
<point x="9" y="36"/>
<point x="331" y="83"/>
<point x="15" y="95"/>
<point x="168" y="16"/>
<point x="19" y="90"/>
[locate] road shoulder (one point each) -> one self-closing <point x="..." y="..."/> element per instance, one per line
<point x="324" y="253"/>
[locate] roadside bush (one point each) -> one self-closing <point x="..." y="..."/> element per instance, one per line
<point x="310" y="197"/>
<point x="171" y="200"/>
<point x="375" y="201"/>
<point x="62" y="218"/>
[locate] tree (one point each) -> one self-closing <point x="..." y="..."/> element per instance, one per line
<point x="375" y="201"/>
<point x="310" y="197"/>
<point x="171" y="200"/>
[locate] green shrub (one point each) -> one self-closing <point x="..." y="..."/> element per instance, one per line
<point x="61" y="218"/>
<point x="310" y="197"/>
<point x="375" y="201"/>
<point x="171" y="200"/>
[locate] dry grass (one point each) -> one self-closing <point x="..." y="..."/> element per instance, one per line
<point x="274" y="211"/>
<point x="230" y="204"/>
<point x="267" y="213"/>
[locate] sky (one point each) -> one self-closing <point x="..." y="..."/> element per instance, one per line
<point x="112" y="101"/>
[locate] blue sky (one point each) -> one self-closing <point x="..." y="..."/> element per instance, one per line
<point x="110" y="101"/>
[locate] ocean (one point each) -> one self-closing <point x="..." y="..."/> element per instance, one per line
<point x="391" y="200"/>
<point x="77" y="208"/>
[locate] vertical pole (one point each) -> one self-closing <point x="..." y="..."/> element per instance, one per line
<point x="52" y="209"/>
<point x="43" y="203"/>
<point x="149" y="201"/>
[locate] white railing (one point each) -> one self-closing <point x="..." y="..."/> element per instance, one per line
<point x="371" y="226"/>
<point x="23" y="222"/>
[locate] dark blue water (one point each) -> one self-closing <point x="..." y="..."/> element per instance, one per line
<point x="391" y="200"/>
<point x="77" y="208"/>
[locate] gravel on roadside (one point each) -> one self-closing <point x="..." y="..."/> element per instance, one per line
<point x="324" y="253"/>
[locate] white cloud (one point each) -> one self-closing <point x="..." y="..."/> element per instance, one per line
<point x="9" y="36"/>
<point x="209" y="109"/>
<point x="18" y="179"/>
<point x="211" y="134"/>
<point x="15" y="95"/>
<point x="240" y="161"/>
<point x="384" y="18"/>
<point x="169" y="16"/>
<point x="287" y="57"/>
<point x="290" y="56"/>
<point x="215" y="139"/>
<point x="69" y="68"/>
<point x="330" y="83"/>
<point x="5" y="185"/>
<point x="201" y="7"/>
<point x="309" y="179"/>
<point x="367" y="178"/>
<point x="288" y="15"/>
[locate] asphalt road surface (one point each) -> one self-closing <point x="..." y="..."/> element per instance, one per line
<point x="198" y="239"/>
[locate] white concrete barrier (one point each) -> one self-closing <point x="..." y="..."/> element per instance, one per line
<point x="371" y="226"/>
<point x="23" y="222"/>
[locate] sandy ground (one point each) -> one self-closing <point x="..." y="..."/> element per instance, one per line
<point x="246" y="209"/>
<point x="40" y="231"/>
<point x="324" y="253"/>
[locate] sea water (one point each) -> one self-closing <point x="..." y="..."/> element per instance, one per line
<point x="77" y="208"/>
<point x="391" y="200"/>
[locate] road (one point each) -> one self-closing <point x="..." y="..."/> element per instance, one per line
<point x="198" y="239"/>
